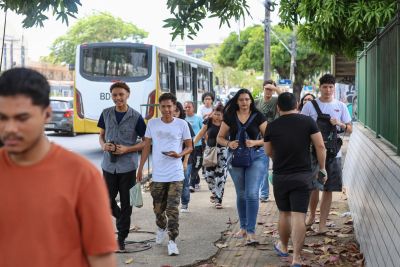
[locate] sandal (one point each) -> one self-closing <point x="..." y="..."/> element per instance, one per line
<point x="218" y="206"/>
<point x="212" y="198"/>
<point x="251" y="240"/>
<point x="241" y="234"/>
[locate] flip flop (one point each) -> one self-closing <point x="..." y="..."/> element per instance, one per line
<point x="252" y="242"/>
<point x="323" y="232"/>
<point x="240" y="235"/>
<point x="279" y="252"/>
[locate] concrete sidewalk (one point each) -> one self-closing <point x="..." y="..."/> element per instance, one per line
<point x="199" y="230"/>
<point x="337" y="248"/>
<point x="206" y="237"/>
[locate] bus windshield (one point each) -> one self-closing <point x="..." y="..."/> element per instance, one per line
<point x="128" y="62"/>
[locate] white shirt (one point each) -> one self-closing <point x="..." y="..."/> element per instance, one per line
<point x="203" y="110"/>
<point x="335" y="108"/>
<point x="167" y="137"/>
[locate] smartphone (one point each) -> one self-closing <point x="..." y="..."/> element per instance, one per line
<point x="166" y="152"/>
<point x="320" y="180"/>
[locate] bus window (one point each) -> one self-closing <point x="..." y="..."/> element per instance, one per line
<point x="186" y="79"/>
<point x="115" y="62"/>
<point x="179" y="75"/>
<point x="164" y="81"/>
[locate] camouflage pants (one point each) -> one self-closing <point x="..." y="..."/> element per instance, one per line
<point x="166" y="198"/>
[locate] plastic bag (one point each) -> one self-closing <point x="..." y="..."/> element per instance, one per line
<point x="136" y="198"/>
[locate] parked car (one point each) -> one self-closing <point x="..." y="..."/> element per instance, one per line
<point x="63" y="115"/>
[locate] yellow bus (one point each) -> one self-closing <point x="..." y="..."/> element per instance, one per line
<point x="147" y="69"/>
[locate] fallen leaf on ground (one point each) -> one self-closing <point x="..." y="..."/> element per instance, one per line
<point x="268" y="225"/>
<point x="221" y="245"/>
<point x="347" y="230"/>
<point x="129" y="261"/>
<point x="345" y="235"/>
<point x="334" y="213"/>
<point x="328" y="241"/>
<point x="268" y="232"/>
<point x="331" y="234"/>
<point x="349" y="222"/>
<point x="334" y="259"/>
<point x="134" y="228"/>
<point x="308" y="250"/>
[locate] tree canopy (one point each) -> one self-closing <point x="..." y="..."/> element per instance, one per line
<point x="247" y="53"/>
<point x="188" y="14"/>
<point x="335" y="26"/>
<point x="34" y="10"/>
<point x="100" y="27"/>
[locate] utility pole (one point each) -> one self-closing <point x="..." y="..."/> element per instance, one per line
<point x="293" y="56"/>
<point x="269" y="7"/>
<point x="22" y="52"/>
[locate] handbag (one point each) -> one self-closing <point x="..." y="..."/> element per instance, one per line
<point x="243" y="155"/>
<point x="136" y="198"/>
<point x="210" y="156"/>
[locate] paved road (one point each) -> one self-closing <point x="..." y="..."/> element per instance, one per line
<point x="199" y="229"/>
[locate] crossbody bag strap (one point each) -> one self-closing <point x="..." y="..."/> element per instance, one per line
<point x="316" y="106"/>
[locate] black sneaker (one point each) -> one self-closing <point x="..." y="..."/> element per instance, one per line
<point x="121" y="244"/>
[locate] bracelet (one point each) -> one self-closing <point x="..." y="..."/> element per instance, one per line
<point x="227" y="144"/>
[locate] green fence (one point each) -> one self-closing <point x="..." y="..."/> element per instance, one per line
<point x="378" y="84"/>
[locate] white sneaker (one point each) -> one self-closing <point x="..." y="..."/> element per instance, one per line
<point x="172" y="248"/>
<point x="161" y="233"/>
<point x="184" y="210"/>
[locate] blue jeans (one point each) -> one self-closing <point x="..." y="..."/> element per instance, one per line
<point x="185" y="198"/>
<point x="247" y="185"/>
<point x="264" y="187"/>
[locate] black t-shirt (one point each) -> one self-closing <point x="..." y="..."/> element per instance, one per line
<point x="290" y="139"/>
<point x="253" y="130"/>
<point x="212" y="132"/>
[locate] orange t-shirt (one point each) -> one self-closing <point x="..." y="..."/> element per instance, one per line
<point x="53" y="213"/>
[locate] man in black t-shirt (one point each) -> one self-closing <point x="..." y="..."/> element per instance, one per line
<point x="287" y="141"/>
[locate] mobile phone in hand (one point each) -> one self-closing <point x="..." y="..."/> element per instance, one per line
<point x="166" y="153"/>
<point x="320" y="182"/>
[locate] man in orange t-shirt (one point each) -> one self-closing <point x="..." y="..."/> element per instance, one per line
<point x="53" y="204"/>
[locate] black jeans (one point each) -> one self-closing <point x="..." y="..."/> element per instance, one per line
<point x="121" y="183"/>
<point x="197" y="159"/>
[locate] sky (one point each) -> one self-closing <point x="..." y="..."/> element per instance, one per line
<point x="147" y="15"/>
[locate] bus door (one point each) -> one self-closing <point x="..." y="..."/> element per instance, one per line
<point x="194" y="86"/>
<point x="172" y="81"/>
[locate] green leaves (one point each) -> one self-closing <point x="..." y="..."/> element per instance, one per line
<point x="99" y="27"/>
<point x="337" y="26"/>
<point x="188" y="14"/>
<point x="34" y="9"/>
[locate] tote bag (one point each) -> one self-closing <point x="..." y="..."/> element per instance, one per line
<point x="210" y="157"/>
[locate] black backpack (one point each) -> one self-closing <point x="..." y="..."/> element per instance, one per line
<point x="329" y="132"/>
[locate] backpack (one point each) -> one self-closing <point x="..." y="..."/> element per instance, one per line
<point x="329" y="132"/>
<point x="242" y="156"/>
